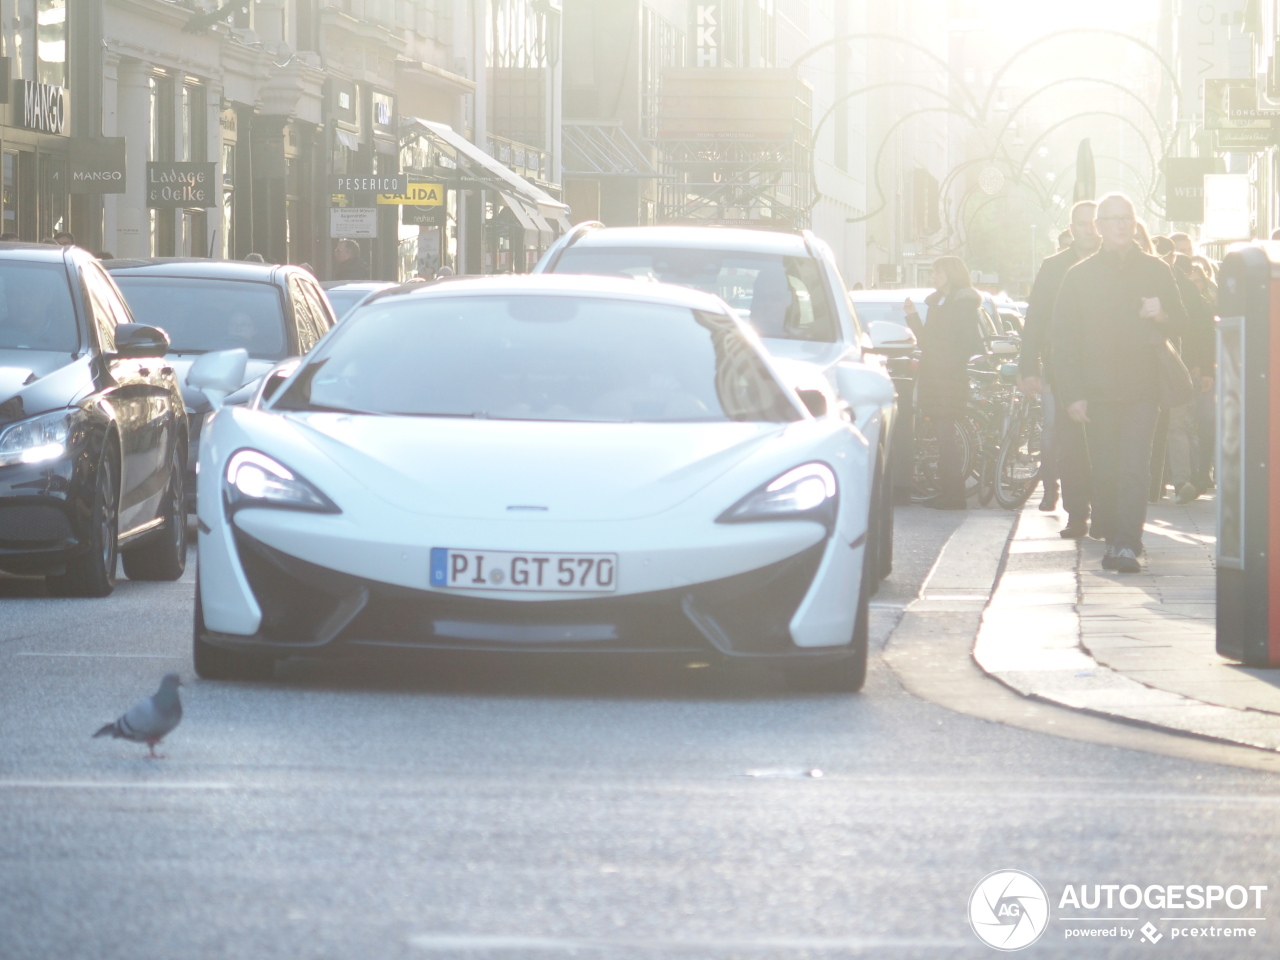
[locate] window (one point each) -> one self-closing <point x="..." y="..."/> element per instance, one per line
<point x="108" y="311"/>
<point x="204" y="315"/>
<point x="36" y="312"/>
<point x="661" y="46"/>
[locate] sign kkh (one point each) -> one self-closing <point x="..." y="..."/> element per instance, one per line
<point x="180" y="184"/>
<point x="40" y="106"/>
<point x="97" y="165"/>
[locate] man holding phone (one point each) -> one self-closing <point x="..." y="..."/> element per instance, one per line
<point x="1112" y="317"/>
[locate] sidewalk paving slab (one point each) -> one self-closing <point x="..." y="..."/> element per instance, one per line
<point x="1136" y="647"/>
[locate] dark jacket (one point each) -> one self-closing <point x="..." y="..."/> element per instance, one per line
<point x="353" y="269"/>
<point x="1037" y="329"/>
<point x="1102" y="350"/>
<point x="952" y="334"/>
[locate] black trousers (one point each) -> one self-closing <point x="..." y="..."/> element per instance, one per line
<point x="1071" y="460"/>
<point x="1119" y="437"/>
<point x="950" y="461"/>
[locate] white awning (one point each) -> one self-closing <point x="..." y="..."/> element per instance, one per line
<point x="347" y="139"/>
<point x="530" y="220"/>
<point x="539" y="204"/>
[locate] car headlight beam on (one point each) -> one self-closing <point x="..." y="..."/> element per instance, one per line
<point x="806" y="493"/>
<point x="37" y="440"/>
<point x="253" y="479"/>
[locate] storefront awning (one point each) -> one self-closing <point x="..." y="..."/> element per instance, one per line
<point x="529" y="220"/>
<point x="601" y="148"/>
<point x="347" y="139"/>
<point x="475" y="163"/>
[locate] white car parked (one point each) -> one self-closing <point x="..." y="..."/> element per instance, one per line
<point x="789" y="288"/>
<point x="517" y="463"/>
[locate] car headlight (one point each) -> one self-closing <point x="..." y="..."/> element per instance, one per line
<point x="806" y="493"/>
<point x="37" y="440"/>
<point x="253" y="479"/>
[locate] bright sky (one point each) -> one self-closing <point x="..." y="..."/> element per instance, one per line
<point x="1026" y="19"/>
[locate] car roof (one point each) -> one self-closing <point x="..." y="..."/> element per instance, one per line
<point x="709" y="237"/>
<point x="357" y="284"/>
<point x="890" y="296"/>
<point x="200" y="268"/>
<point x="40" y="252"/>
<point x="562" y="284"/>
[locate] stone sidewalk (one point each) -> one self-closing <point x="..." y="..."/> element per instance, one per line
<point x="1136" y="647"/>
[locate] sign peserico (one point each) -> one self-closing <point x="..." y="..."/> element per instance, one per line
<point x="180" y="184"/>
<point x="97" y="165"/>
<point x="40" y="106"/>
<point x="380" y="183"/>
<point x="417" y="195"/>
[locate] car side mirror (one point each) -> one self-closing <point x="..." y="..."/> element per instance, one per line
<point x="137" y="340"/>
<point x="219" y="374"/>
<point x="814" y="401"/>
<point x="273" y="380"/>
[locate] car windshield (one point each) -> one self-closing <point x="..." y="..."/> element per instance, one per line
<point x="784" y="298"/>
<point x="36" y="312"/>
<point x="870" y="311"/>
<point x="343" y="299"/>
<point x="540" y="357"/>
<point x="203" y="315"/>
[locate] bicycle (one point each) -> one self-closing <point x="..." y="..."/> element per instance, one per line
<point x="1020" y="460"/>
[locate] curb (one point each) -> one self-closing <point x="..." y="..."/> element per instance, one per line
<point x="1030" y="640"/>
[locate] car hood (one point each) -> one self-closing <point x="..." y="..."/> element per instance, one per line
<point x="824" y="355"/>
<point x="487" y="469"/>
<point x="195" y="399"/>
<point x="37" y="381"/>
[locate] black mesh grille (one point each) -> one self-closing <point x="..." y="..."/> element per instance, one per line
<point x="31" y="524"/>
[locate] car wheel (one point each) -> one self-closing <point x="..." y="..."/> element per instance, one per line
<point x="217" y="663"/>
<point x="93" y="573"/>
<point x="848" y="673"/>
<point x="164" y="555"/>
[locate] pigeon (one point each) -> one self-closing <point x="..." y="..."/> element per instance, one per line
<point x="151" y="720"/>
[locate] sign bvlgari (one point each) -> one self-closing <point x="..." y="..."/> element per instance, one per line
<point x="40" y="106"/>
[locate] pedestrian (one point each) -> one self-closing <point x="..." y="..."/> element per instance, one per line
<point x="1114" y="313"/>
<point x="1182" y="244"/>
<point x="1064" y="453"/>
<point x="64" y="238"/>
<point x="1197" y="348"/>
<point x="445" y="271"/>
<point x="1143" y="237"/>
<point x="347" y="262"/>
<point x="950" y="337"/>
<point x="1064" y="239"/>
<point x="105" y="255"/>
<point x="254" y="257"/>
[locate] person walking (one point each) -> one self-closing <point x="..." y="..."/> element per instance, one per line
<point x="951" y="336"/>
<point x="347" y="263"/>
<point x="1064" y="454"/>
<point x="1114" y="313"/>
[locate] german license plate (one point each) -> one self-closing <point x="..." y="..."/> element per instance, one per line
<point x="502" y="570"/>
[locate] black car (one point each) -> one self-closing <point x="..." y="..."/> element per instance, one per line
<point x="273" y="311"/>
<point x="345" y="295"/>
<point x="93" y="434"/>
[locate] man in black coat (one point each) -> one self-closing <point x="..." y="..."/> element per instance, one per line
<point x="1113" y="315"/>
<point x="1065" y="455"/>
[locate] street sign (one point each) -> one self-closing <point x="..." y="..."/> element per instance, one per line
<point x="1184" y="187"/>
<point x="417" y="216"/>
<point x="97" y="165"/>
<point x="355" y="223"/>
<point x="1249" y="140"/>
<point x="417" y="195"/>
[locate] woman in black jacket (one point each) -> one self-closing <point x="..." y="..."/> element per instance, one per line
<point x="952" y="335"/>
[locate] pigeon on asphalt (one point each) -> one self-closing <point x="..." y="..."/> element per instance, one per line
<point x="151" y="720"/>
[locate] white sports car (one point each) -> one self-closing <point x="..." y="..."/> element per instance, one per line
<point x="534" y="463"/>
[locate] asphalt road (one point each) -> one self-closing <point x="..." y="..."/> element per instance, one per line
<point x="504" y="809"/>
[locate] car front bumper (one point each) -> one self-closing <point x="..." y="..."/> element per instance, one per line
<point x="43" y="516"/>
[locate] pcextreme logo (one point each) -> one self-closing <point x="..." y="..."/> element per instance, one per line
<point x="1009" y="910"/>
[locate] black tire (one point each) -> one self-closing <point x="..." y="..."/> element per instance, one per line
<point x="986" y="482"/>
<point x="164" y="555"/>
<point x="924" y="482"/>
<point x="1019" y="467"/>
<point x="93" y="572"/>
<point x="880" y="525"/>
<point x="218" y="663"/>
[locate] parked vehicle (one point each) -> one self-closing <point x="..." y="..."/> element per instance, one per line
<point x="788" y="288"/>
<point x="93" y="435"/>
<point x="551" y="463"/>
<point x="272" y="311"/>
<point x="345" y="295"/>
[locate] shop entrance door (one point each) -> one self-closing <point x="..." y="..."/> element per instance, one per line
<point x="53" y="207"/>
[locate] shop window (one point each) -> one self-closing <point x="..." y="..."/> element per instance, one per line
<point x="51" y="42"/>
